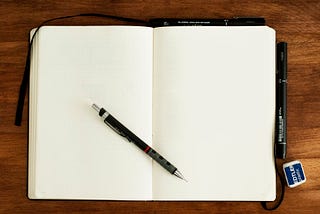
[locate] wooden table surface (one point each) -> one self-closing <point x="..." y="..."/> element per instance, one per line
<point x="296" y="22"/>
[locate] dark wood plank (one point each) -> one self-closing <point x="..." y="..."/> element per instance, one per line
<point x="296" y="22"/>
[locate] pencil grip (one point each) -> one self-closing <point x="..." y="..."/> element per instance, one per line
<point x="124" y="132"/>
<point x="162" y="161"/>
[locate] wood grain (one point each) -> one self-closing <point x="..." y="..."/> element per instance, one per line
<point x="296" y="22"/>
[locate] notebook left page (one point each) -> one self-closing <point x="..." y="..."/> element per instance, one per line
<point x="72" y="153"/>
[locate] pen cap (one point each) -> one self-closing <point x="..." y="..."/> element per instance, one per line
<point x="282" y="60"/>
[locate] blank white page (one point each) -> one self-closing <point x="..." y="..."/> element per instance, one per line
<point x="213" y="112"/>
<point x="73" y="154"/>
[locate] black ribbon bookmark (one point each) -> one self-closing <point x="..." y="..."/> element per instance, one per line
<point x="26" y="75"/>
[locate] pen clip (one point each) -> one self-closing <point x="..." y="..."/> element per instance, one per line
<point x="118" y="131"/>
<point x="115" y="129"/>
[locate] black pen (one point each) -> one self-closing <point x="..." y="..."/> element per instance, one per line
<point x="237" y="21"/>
<point x="114" y="124"/>
<point x="281" y="101"/>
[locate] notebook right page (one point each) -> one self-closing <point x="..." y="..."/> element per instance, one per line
<point x="214" y="111"/>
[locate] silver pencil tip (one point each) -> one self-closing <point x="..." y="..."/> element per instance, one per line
<point x="179" y="175"/>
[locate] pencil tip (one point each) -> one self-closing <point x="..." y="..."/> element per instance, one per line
<point x="179" y="175"/>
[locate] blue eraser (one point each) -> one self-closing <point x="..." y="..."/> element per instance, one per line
<point x="294" y="173"/>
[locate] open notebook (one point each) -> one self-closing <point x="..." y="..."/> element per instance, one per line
<point x="203" y="97"/>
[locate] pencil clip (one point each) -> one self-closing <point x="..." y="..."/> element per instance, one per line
<point x="116" y="130"/>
